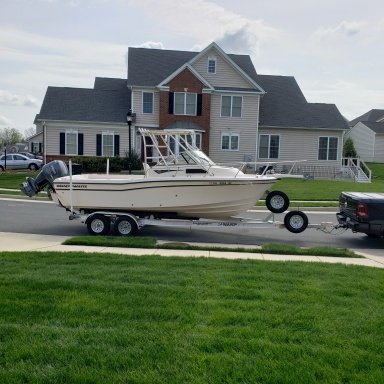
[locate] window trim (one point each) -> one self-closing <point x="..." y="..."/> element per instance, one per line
<point x="102" y="143"/>
<point x="71" y="132"/>
<point x="231" y="106"/>
<point x="327" y="154"/>
<point x="269" y="146"/>
<point x="214" y="60"/>
<point x="185" y="104"/>
<point x="142" y="102"/>
<point x="230" y="135"/>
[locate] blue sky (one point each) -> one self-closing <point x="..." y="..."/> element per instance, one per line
<point x="334" y="48"/>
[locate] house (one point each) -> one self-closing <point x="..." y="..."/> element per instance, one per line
<point x="236" y="114"/>
<point x="367" y="133"/>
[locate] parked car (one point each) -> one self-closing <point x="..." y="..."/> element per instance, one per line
<point x="31" y="155"/>
<point x="17" y="161"/>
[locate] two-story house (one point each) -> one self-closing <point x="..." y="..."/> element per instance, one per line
<point x="237" y="114"/>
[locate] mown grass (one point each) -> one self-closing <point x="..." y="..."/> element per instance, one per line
<point x="150" y="242"/>
<point x="93" y="318"/>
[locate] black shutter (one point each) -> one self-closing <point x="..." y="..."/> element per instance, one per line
<point x="62" y="143"/>
<point x="170" y="104"/>
<point x="117" y="145"/>
<point x="199" y="105"/>
<point x="80" y="144"/>
<point x="31" y="148"/>
<point x="39" y="147"/>
<point x="98" y="145"/>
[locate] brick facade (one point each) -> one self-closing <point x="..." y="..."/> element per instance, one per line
<point x="186" y="81"/>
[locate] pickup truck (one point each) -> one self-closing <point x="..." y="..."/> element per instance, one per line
<point x="362" y="212"/>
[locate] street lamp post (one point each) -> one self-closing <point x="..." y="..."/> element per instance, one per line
<point x="129" y="122"/>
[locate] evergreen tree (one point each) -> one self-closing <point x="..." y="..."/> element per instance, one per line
<point x="349" y="148"/>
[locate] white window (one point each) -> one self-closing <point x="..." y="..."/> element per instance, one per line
<point x="230" y="141"/>
<point x="328" y="148"/>
<point x="185" y="103"/>
<point x="269" y="146"/>
<point x="71" y="143"/>
<point x="212" y="65"/>
<point x="147" y="102"/>
<point x="107" y="144"/>
<point x="231" y="106"/>
<point x="194" y="139"/>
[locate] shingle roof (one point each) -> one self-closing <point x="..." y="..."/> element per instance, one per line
<point x="372" y="115"/>
<point x="110" y="84"/>
<point x="284" y="105"/>
<point x="376" y="127"/>
<point x="84" y="104"/>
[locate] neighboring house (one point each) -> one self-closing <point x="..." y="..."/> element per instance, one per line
<point x="237" y="115"/>
<point x="367" y="133"/>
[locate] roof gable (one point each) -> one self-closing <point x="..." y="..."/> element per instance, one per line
<point x="372" y="115"/>
<point x="377" y="127"/>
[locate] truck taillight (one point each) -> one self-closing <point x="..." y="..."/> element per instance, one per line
<point x="362" y="211"/>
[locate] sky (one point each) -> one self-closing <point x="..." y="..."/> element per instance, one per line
<point x="333" y="48"/>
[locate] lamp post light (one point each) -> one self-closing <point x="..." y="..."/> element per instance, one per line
<point x="129" y="122"/>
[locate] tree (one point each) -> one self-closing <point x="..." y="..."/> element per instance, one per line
<point x="29" y="132"/>
<point x="349" y="148"/>
<point x="10" y="136"/>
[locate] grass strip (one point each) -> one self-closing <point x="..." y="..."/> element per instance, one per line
<point x="104" y="318"/>
<point x="150" y="242"/>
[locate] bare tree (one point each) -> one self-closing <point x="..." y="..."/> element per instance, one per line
<point x="29" y="132"/>
<point x="10" y="136"/>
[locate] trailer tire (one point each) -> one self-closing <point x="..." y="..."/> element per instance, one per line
<point x="296" y="221"/>
<point x="277" y="202"/>
<point x="98" y="225"/>
<point x="125" y="226"/>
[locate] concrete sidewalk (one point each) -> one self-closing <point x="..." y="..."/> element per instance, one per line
<point x="22" y="242"/>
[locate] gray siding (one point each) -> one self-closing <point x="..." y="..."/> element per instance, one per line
<point x="226" y="75"/>
<point x="145" y="119"/>
<point x="363" y="140"/>
<point x="379" y="149"/>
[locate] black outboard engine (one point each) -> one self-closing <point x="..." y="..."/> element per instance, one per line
<point x="48" y="173"/>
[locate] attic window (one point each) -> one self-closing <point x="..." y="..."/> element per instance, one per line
<point x="212" y="65"/>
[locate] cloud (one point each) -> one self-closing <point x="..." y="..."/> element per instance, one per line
<point x="4" y="121"/>
<point x="151" y="44"/>
<point x="8" y="98"/>
<point x="344" y="30"/>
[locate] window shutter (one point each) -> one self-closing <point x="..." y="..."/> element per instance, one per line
<point x="80" y="144"/>
<point x="31" y="148"/>
<point x="39" y="147"/>
<point x="199" y="105"/>
<point x="170" y="104"/>
<point x="98" y="145"/>
<point x="117" y="145"/>
<point x="62" y="143"/>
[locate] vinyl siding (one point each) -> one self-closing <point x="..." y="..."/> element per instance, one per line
<point x="145" y="119"/>
<point x="303" y="144"/>
<point x="90" y="131"/>
<point x="245" y="126"/>
<point x="225" y="76"/>
<point x="363" y="140"/>
<point x="379" y="149"/>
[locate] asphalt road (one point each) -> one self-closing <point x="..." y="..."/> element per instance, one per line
<point x="29" y="216"/>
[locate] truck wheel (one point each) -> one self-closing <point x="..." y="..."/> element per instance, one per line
<point x="98" y="225"/>
<point x="125" y="226"/>
<point x="296" y="221"/>
<point x="277" y="202"/>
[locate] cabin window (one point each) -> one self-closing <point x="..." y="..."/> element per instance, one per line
<point x="269" y="146"/>
<point x="107" y="144"/>
<point x="231" y="106"/>
<point x="147" y="102"/>
<point x="230" y="141"/>
<point x="211" y="65"/>
<point x="185" y="103"/>
<point x="328" y="148"/>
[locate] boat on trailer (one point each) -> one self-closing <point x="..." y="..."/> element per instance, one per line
<point x="178" y="182"/>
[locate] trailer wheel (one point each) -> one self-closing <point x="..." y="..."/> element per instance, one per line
<point x="125" y="226"/>
<point x="277" y="201"/>
<point x="98" y="225"/>
<point x="296" y="221"/>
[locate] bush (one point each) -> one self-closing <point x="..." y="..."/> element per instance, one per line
<point x="99" y="164"/>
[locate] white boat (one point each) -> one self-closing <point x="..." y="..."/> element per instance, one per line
<point x="179" y="181"/>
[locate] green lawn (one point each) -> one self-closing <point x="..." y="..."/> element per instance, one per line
<point x="93" y="318"/>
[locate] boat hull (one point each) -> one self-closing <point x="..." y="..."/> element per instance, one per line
<point x="185" y="197"/>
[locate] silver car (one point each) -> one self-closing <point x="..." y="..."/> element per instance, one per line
<point x="17" y="161"/>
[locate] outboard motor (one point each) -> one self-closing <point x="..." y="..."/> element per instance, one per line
<point x="48" y="173"/>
